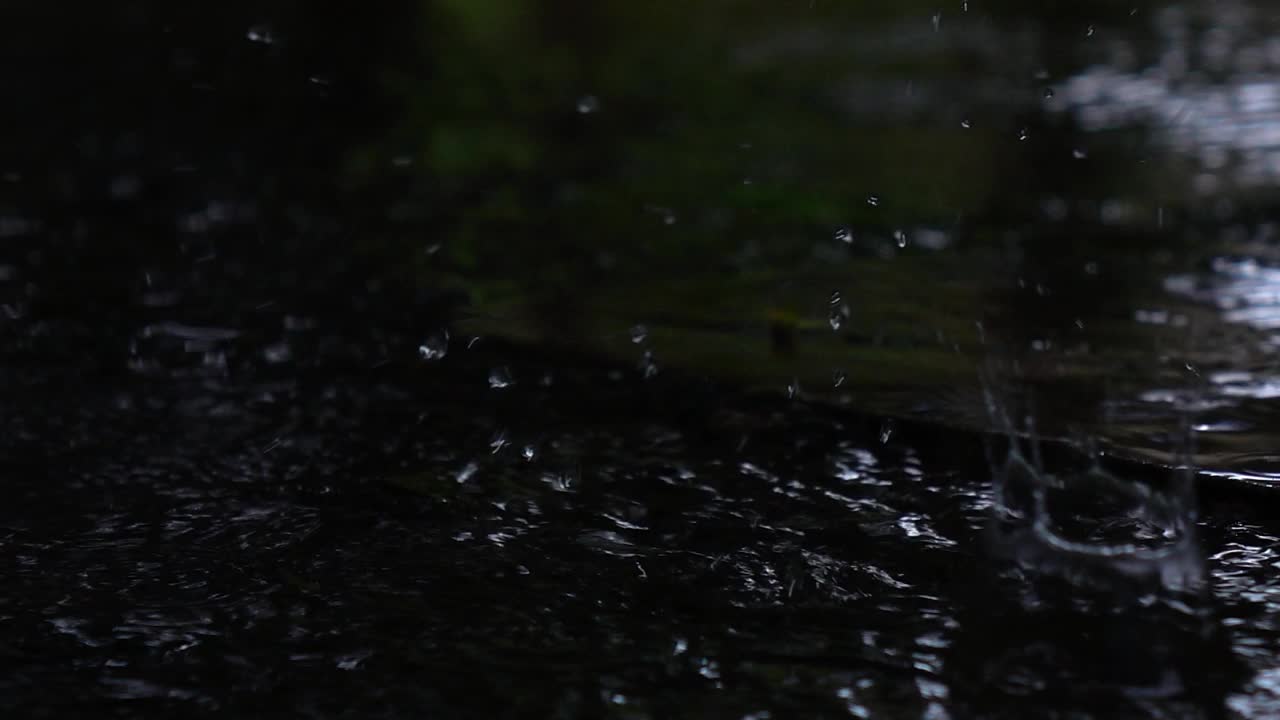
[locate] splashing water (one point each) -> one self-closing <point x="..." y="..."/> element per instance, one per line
<point x="435" y="347"/>
<point x="1093" y="527"/>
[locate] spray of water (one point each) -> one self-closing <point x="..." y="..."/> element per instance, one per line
<point x="1086" y="524"/>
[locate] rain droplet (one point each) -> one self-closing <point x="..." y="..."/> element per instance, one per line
<point x="1079" y="154"/>
<point x="937" y="21"/>
<point x="834" y="299"/>
<point x="844" y="235"/>
<point x="639" y="333"/>
<point x="1048" y="93"/>
<point x="648" y="365"/>
<point x="1022" y="134"/>
<point x="528" y="453"/>
<point x="435" y="347"/>
<point x="966" y="124"/>
<point x="1089" y="32"/>
<point x="900" y="237"/>
<point x="498" y="442"/>
<point x="499" y="378"/>
<point x="261" y="34"/>
<point x="466" y="472"/>
<point x="838" y="315"/>
<point x="873" y="200"/>
<point x="277" y="353"/>
<point x="886" y="431"/>
<point x="793" y="389"/>
<point x="588" y="104"/>
<point x="838" y="377"/>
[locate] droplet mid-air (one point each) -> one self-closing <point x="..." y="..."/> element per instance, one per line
<point x="260" y="34"/>
<point x="499" y="378"/>
<point x="838" y="315"/>
<point x="435" y="347"/>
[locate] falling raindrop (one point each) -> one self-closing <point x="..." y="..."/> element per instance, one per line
<point x="435" y="347"/>
<point x="498" y="442"/>
<point x="1089" y="31"/>
<point x="838" y="315"/>
<point x="838" y="377"/>
<point x="937" y="21"/>
<point x="499" y="378"/>
<point x="834" y="299"/>
<point x="277" y="353"/>
<point x="844" y="235"/>
<point x="648" y="365"/>
<point x="1048" y="93"/>
<point x="966" y="124"/>
<point x="1022" y="134"/>
<point x="793" y="389"/>
<point x="528" y="453"/>
<point x="886" y="431"/>
<point x="466" y="472"/>
<point x="873" y="200"/>
<point x="1078" y="154"/>
<point x="261" y="34"/>
<point x="900" y="238"/>
<point x="588" y="104"/>
<point x="639" y="333"/>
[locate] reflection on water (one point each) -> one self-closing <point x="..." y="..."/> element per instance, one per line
<point x="1209" y="90"/>
<point x="1245" y="290"/>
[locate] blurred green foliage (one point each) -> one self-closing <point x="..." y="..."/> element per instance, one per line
<point x="577" y="167"/>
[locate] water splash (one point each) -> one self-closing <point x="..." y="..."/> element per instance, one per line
<point x="1096" y="529"/>
<point x="435" y="347"/>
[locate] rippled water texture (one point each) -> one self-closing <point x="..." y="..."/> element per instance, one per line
<point x="643" y="554"/>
